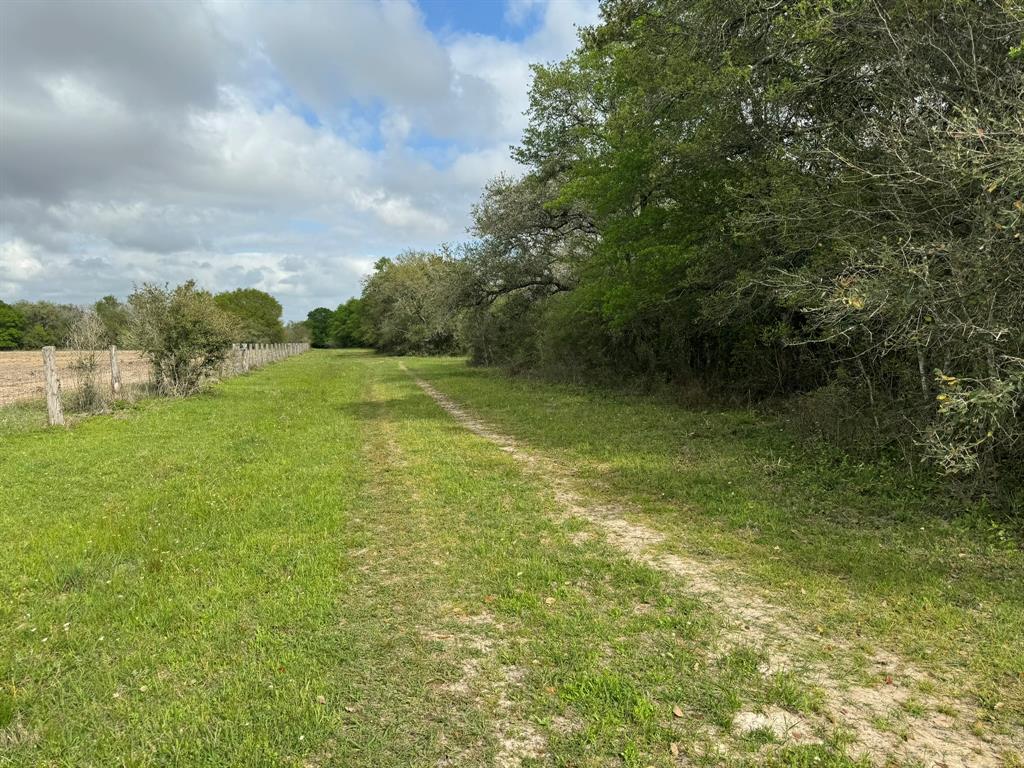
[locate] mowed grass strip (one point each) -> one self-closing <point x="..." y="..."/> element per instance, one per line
<point x="855" y="551"/>
<point x="172" y="575"/>
<point x="315" y="565"/>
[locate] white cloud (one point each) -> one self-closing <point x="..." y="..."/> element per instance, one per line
<point x="282" y="146"/>
<point x="18" y="261"/>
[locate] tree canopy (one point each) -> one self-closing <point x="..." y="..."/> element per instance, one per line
<point x="12" y="327"/>
<point x="46" y="323"/>
<point x="818" y="199"/>
<point x="347" y="329"/>
<point x="114" y="317"/>
<point x="318" y="324"/>
<point x="258" y="313"/>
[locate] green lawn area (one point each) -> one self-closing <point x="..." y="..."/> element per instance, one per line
<point x="315" y="565"/>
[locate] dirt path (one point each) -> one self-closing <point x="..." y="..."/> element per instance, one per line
<point x="944" y="733"/>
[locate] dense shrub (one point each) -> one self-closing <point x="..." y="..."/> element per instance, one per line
<point x="182" y="332"/>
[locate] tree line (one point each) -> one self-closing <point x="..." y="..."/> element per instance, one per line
<point x="820" y="202"/>
<point x="253" y="316"/>
<point x="340" y="328"/>
<point x="184" y="332"/>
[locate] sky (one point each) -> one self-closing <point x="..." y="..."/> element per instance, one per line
<point x="284" y="146"/>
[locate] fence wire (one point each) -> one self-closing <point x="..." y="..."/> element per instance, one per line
<point x="22" y="376"/>
<point x="21" y="373"/>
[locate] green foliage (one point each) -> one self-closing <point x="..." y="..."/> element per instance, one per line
<point x="347" y="325"/>
<point x="183" y="332"/>
<point x="296" y="332"/>
<point x="318" y="325"/>
<point x="408" y="304"/>
<point x="766" y="201"/>
<point x="12" y="327"/>
<point x="258" y="314"/>
<point x="47" y="324"/>
<point x="114" y="317"/>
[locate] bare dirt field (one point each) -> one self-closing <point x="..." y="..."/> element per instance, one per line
<point x="21" y="373"/>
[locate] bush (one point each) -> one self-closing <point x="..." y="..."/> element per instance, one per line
<point x="980" y="423"/>
<point x="182" y="332"/>
<point x="87" y="336"/>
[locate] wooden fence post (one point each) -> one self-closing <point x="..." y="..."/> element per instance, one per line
<point x="54" y="409"/>
<point x="115" y="372"/>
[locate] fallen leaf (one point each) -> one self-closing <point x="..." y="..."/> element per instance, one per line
<point x="677" y="711"/>
<point x="673" y="749"/>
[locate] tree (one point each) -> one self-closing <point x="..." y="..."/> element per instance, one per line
<point x="347" y="325"/>
<point x="318" y="323"/>
<point x="408" y="304"/>
<point x="296" y="332"/>
<point x="114" y="317"/>
<point x="12" y="327"/>
<point x="182" y="332"/>
<point x="784" y="198"/>
<point x="46" y="323"/>
<point x="258" y="313"/>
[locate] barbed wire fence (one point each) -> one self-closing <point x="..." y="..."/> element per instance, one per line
<point x="92" y="379"/>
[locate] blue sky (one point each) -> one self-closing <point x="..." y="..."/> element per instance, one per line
<point x="497" y="19"/>
<point x="284" y="146"/>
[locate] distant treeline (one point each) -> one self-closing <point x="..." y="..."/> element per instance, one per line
<point x="338" y="328"/>
<point x="255" y="317"/>
<point x="792" y="198"/>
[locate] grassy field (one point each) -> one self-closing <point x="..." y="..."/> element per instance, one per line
<point x="317" y="565"/>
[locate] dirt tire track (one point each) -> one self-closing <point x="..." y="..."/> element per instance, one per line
<point x="934" y="739"/>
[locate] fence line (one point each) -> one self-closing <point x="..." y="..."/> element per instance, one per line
<point x="21" y="381"/>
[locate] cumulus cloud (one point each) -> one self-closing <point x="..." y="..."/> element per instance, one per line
<point x="283" y="146"/>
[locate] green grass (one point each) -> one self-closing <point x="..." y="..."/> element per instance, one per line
<point x="857" y="549"/>
<point x="315" y="565"/>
